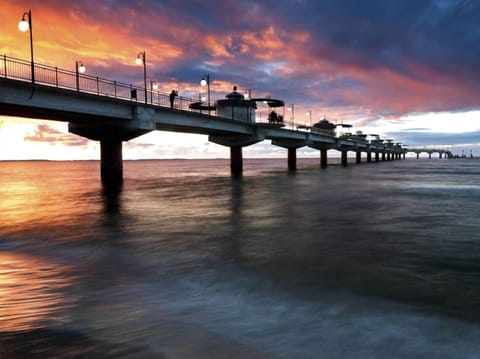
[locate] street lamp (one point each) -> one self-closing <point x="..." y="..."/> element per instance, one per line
<point x="206" y="82"/>
<point x="23" y="26"/>
<point x="79" y="68"/>
<point x="309" y="115"/>
<point x="141" y="59"/>
<point x="247" y="96"/>
<point x="153" y="86"/>
<point x="291" y="108"/>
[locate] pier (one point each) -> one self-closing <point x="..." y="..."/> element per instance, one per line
<point x="112" y="112"/>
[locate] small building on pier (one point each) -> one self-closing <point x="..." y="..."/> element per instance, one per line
<point x="236" y="107"/>
<point x="324" y="127"/>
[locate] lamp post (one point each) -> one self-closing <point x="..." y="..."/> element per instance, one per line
<point x="247" y="96"/>
<point x="79" y="69"/>
<point x="291" y="108"/>
<point x="141" y="59"/>
<point x="153" y="86"/>
<point x="23" y="26"/>
<point x="206" y="82"/>
<point x="309" y="115"/>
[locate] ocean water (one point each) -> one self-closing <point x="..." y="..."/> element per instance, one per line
<point x="378" y="260"/>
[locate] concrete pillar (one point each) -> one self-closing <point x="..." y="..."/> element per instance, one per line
<point x="323" y="158"/>
<point x="404" y="155"/>
<point x="440" y="155"/>
<point x="429" y="156"/>
<point x="383" y="156"/>
<point x="358" y="157"/>
<point x="292" y="159"/>
<point x="377" y="156"/>
<point x="369" y="156"/>
<point x="111" y="161"/>
<point x="344" y="158"/>
<point x="418" y="155"/>
<point x="236" y="160"/>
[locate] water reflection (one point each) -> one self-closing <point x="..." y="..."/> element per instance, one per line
<point x="31" y="292"/>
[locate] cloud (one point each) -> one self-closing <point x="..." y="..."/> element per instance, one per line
<point x="352" y="61"/>
<point x="423" y="138"/>
<point x="47" y="134"/>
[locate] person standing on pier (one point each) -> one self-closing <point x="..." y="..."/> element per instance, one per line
<point x="173" y="94"/>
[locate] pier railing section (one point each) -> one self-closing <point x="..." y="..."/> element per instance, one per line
<point x="18" y="69"/>
<point x="21" y="70"/>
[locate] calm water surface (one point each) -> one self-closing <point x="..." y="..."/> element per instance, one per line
<point x="377" y="260"/>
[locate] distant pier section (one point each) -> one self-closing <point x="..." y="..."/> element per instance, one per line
<point x="112" y="112"/>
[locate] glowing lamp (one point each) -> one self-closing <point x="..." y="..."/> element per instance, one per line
<point x="23" y="25"/>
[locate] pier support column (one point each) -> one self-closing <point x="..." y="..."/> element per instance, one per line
<point x="344" y="158"/>
<point x="111" y="137"/>
<point x="383" y="156"/>
<point x="377" y="157"/>
<point x="369" y="156"/>
<point x="418" y="155"/>
<point x="358" y="157"/>
<point x="292" y="159"/>
<point x="429" y="156"/>
<point x="323" y="158"/>
<point x="236" y="160"/>
<point x="111" y="161"/>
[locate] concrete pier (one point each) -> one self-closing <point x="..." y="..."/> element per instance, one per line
<point x="323" y="158"/>
<point x="236" y="160"/>
<point x="114" y="117"/>
<point x="344" y="158"/>
<point x="292" y="159"/>
<point x="358" y="157"/>
<point x="111" y="161"/>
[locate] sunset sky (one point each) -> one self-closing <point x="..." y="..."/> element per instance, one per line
<point x="407" y="70"/>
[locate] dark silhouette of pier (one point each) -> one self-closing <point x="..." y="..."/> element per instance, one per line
<point x="112" y="112"/>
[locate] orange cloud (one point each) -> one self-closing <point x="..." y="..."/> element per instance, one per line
<point x="47" y="134"/>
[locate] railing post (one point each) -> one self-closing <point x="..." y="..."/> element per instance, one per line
<point x="115" y="88"/>
<point x="5" y="65"/>
<point x="56" y="76"/>
<point x="98" y="87"/>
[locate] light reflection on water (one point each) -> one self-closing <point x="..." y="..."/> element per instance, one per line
<point x="271" y="265"/>
<point x="32" y="292"/>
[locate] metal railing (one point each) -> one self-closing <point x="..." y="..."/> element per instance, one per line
<point x="17" y="69"/>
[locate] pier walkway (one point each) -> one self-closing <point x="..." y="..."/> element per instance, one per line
<point x="112" y="112"/>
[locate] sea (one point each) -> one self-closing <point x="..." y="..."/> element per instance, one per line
<point x="184" y="260"/>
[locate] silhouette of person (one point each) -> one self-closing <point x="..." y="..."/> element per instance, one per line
<point x="173" y="94"/>
<point x="273" y="117"/>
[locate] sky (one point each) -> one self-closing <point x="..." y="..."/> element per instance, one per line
<point x="406" y="70"/>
